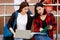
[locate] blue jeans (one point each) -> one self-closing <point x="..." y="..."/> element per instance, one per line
<point x="41" y="37"/>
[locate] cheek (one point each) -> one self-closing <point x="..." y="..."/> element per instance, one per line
<point x="25" y="10"/>
<point x="39" y="11"/>
<point x="42" y="10"/>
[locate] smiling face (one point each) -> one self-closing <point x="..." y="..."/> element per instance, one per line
<point x="40" y="10"/>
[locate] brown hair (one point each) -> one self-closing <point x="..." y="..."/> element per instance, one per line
<point x="22" y="5"/>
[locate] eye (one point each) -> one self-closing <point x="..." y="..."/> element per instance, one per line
<point x="38" y="9"/>
<point x="26" y="8"/>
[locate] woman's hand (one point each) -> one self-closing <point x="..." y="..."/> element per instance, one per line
<point x="14" y="35"/>
<point x="50" y="27"/>
<point x="41" y="29"/>
<point x="12" y="31"/>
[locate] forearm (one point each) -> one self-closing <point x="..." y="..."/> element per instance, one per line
<point x="11" y="30"/>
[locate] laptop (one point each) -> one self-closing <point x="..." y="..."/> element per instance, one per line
<point x="25" y="34"/>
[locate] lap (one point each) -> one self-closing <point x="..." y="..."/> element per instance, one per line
<point x="41" y="37"/>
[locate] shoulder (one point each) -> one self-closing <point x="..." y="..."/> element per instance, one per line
<point x="14" y="14"/>
<point x="51" y="14"/>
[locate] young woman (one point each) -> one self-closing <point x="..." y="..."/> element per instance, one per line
<point x="23" y="22"/>
<point x="41" y="20"/>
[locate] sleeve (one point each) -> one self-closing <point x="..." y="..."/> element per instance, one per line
<point x="11" y="20"/>
<point x="54" y="23"/>
<point x="29" y="24"/>
<point x="35" y="28"/>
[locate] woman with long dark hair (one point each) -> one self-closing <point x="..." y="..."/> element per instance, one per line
<point x="43" y="21"/>
<point x="23" y="21"/>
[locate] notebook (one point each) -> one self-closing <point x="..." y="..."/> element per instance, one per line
<point x="25" y="34"/>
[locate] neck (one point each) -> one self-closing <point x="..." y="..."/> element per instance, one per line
<point x="41" y="14"/>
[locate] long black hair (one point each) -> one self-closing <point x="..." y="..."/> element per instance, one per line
<point x="36" y="13"/>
